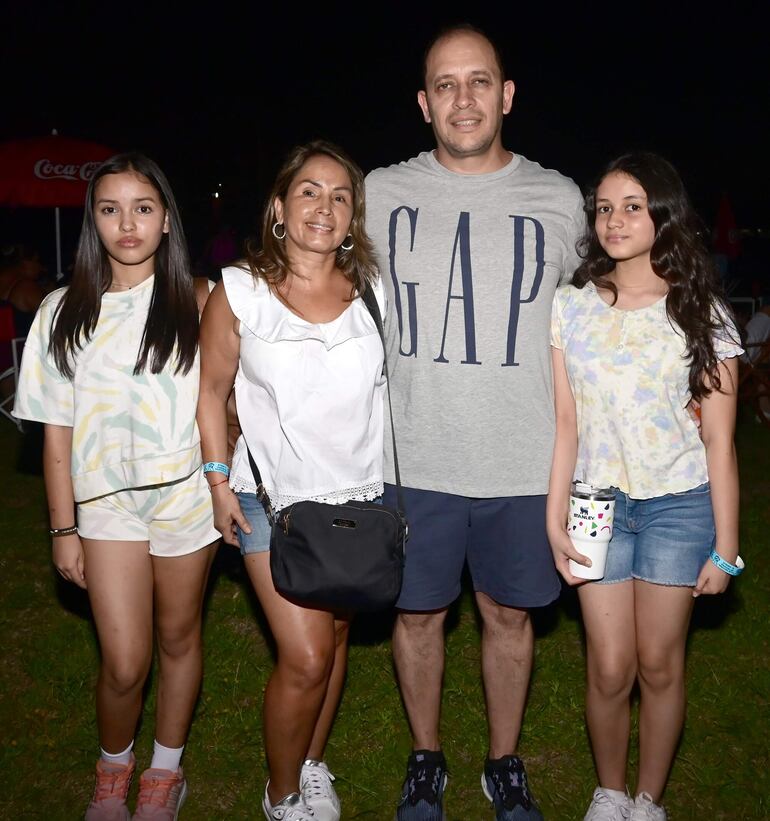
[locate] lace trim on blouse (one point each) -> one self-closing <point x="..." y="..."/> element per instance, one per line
<point x="363" y="493"/>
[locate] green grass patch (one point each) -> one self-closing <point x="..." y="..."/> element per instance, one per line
<point x="50" y="659"/>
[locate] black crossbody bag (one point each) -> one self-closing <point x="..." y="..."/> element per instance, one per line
<point x="339" y="557"/>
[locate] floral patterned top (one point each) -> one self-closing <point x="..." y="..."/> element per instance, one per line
<point x="629" y="375"/>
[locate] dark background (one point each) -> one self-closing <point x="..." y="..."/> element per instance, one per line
<point x="218" y="95"/>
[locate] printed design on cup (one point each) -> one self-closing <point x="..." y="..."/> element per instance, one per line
<point x="589" y="526"/>
<point x="590" y="517"/>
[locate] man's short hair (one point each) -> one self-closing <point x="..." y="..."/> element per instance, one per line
<point x="460" y="28"/>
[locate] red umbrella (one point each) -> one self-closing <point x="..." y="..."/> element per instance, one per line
<point x="48" y="172"/>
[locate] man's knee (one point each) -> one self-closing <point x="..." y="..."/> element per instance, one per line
<point x="502" y="618"/>
<point x="417" y="625"/>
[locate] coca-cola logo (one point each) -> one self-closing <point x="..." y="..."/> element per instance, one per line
<point x="47" y="170"/>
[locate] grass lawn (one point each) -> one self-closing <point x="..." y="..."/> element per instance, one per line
<point x="49" y="666"/>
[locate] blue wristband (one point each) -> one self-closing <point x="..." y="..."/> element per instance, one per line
<point x="216" y="467"/>
<point x="733" y="569"/>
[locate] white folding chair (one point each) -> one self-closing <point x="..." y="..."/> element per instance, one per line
<point x="6" y="404"/>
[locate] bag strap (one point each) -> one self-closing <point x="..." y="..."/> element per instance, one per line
<point x="370" y="300"/>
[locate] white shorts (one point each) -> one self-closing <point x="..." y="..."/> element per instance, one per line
<point x="176" y="518"/>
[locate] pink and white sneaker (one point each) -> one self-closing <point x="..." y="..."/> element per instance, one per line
<point x="111" y="791"/>
<point x="161" y="795"/>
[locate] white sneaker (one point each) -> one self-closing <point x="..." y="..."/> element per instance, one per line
<point x="645" y="809"/>
<point x="315" y="784"/>
<point x="291" y="808"/>
<point x="609" y="805"/>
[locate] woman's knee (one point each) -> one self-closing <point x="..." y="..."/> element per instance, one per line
<point x="124" y="674"/>
<point x="612" y="677"/>
<point x="179" y="640"/>
<point x="661" y="670"/>
<point x="306" y="668"/>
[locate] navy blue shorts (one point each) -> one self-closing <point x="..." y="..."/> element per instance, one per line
<point x="503" y="540"/>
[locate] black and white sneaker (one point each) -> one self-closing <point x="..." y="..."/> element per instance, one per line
<point x="421" y="797"/>
<point x="504" y="782"/>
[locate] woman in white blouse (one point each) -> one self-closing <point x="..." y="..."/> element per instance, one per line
<point x="288" y="328"/>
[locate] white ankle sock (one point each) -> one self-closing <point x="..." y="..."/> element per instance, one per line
<point x="166" y="758"/>
<point x="118" y="758"/>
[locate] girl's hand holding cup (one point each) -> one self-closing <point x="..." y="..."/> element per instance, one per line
<point x="564" y="552"/>
<point x="589" y="528"/>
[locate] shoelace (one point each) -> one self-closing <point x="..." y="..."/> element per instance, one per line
<point x="424" y="783"/>
<point x="291" y="808"/>
<point x="608" y="804"/>
<point x="317" y="782"/>
<point x="511" y="786"/>
<point x="157" y="791"/>
<point x="292" y="813"/>
<point x="644" y="807"/>
<point x="109" y="784"/>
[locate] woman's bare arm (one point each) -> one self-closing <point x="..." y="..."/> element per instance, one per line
<point x="219" y="349"/>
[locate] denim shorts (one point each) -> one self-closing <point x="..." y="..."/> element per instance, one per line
<point x="502" y="539"/>
<point x="665" y="540"/>
<point x="258" y="541"/>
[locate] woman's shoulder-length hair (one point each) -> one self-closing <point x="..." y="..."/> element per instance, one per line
<point x="356" y="260"/>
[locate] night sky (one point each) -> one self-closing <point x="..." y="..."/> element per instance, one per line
<point x="219" y="96"/>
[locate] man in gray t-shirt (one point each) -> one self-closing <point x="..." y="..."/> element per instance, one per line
<point x="472" y="241"/>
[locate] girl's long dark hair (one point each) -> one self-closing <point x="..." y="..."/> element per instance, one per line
<point x="269" y="259"/>
<point x="172" y="322"/>
<point x="694" y="303"/>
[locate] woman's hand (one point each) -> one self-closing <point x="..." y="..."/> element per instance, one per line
<point x="711" y="580"/>
<point x="68" y="559"/>
<point x="228" y="514"/>
<point x="563" y="550"/>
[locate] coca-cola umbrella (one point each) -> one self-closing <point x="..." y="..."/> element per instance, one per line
<point x="48" y="172"/>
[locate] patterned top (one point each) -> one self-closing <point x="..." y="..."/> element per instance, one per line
<point x="128" y="431"/>
<point x="629" y="375"/>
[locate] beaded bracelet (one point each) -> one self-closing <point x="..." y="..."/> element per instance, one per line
<point x="732" y="569"/>
<point x="216" y="467"/>
<point x="63" y="531"/>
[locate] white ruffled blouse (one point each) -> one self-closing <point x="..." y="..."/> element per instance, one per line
<point x="310" y="398"/>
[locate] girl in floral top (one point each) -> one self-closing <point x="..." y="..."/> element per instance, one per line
<point x="639" y="334"/>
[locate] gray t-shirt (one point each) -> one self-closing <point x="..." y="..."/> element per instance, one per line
<point x="470" y="265"/>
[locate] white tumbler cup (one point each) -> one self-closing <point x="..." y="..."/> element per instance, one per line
<point x="591" y="513"/>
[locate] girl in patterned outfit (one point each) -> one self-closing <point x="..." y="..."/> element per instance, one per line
<point x="639" y="334"/>
<point x="111" y="368"/>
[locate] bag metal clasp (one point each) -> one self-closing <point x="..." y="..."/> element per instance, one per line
<point x="262" y="496"/>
